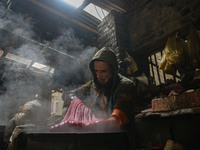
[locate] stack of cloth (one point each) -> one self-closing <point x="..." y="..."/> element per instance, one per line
<point x="78" y="116"/>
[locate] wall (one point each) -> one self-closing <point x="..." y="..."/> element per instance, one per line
<point x="151" y="22"/>
<point x="113" y="32"/>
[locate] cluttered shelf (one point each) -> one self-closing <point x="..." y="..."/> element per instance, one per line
<point x="174" y="104"/>
<point x="148" y="113"/>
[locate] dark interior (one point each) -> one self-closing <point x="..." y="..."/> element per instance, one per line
<point x="54" y="41"/>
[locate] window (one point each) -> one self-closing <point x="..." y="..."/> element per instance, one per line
<point x="158" y="76"/>
<point x="96" y="11"/>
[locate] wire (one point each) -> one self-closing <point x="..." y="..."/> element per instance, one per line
<point x="98" y="12"/>
<point x="103" y="13"/>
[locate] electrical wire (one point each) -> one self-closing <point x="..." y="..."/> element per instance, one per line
<point x="98" y="12"/>
<point x="103" y="13"/>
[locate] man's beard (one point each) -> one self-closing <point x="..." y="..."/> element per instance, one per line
<point x="105" y="86"/>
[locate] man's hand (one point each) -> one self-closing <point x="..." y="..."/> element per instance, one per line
<point x="103" y="125"/>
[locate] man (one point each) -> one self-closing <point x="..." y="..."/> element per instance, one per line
<point x="109" y="95"/>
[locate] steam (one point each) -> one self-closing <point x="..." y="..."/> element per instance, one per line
<point x="19" y="84"/>
<point x="67" y="42"/>
<point x="17" y="87"/>
<point x="14" y="23"/>
<point x="72" y="71"/>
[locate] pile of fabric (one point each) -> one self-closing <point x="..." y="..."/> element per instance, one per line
<point x="78" y="115"/>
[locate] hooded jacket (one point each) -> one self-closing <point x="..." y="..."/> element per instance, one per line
<point x="120" y="95"/>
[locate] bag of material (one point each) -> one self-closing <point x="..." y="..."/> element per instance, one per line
<point x="78" y="116"/>
<point x="174" y="55"/>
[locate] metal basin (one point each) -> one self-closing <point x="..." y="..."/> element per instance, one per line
<point x="72" y="141"/>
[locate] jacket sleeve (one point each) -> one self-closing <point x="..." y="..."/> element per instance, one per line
<point x="124" y="104"/>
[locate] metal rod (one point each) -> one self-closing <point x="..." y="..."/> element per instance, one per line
<point x="39" y="54"/>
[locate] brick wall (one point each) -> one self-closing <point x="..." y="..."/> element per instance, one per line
<point x="113" y="33"/>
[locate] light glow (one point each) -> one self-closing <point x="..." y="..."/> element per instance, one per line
<point x="75" y="3"/>
<point x="96" y="11"/>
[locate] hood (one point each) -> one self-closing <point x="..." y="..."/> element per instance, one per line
<point x="107" y="55"/>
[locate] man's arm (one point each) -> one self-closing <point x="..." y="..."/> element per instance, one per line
<point x="123" y="111"/>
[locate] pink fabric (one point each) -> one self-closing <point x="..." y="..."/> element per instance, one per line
<point x="77" y="115"/>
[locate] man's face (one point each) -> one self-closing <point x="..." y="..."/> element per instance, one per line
<point x="103" y="71"/>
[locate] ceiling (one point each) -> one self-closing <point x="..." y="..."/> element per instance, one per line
<point x="50" y="16"/>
